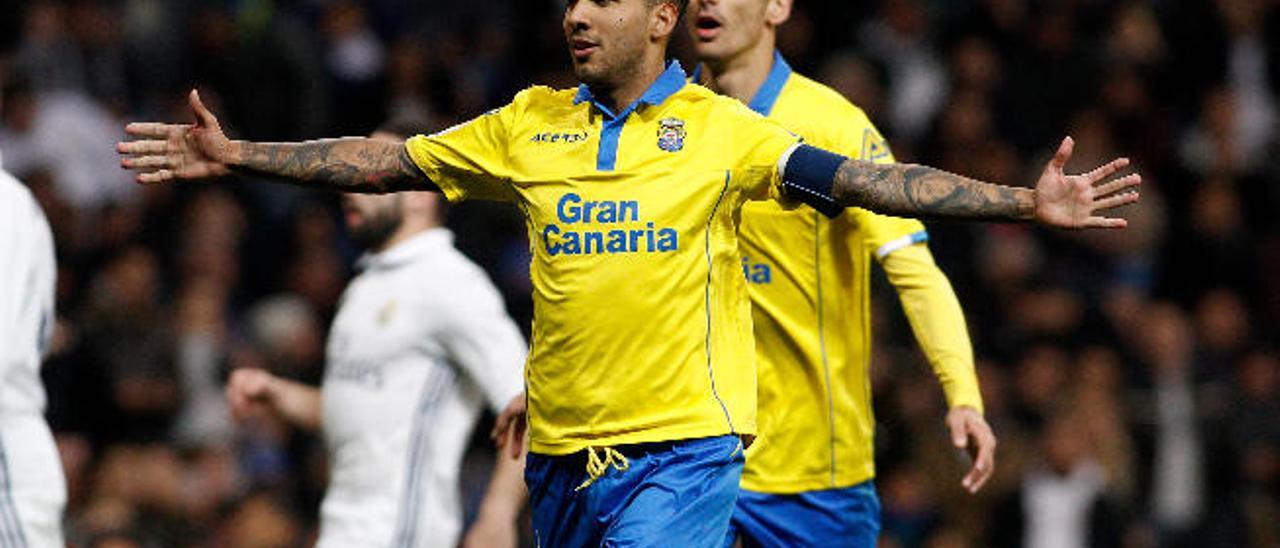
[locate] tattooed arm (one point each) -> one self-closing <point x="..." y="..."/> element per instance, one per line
<point x="920" y="191"/>
<point x="169" y="152"/>
<point x="1059" y="200"/>
<point x="350" y="165"/>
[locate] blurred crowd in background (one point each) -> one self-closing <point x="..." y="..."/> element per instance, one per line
<point x="1132" y="377"/>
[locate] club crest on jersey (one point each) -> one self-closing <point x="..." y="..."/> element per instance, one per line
<point x="671" y="134"/>
<point x="386" y="312"/>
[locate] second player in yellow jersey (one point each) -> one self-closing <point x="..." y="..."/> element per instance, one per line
<point x="807" y="480"/>
<point x="809" y="281"/>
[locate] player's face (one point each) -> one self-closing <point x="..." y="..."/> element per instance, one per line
<point x="607" y="38"/>
<point x="372" y="218"/>
<point x="721" y="29"/>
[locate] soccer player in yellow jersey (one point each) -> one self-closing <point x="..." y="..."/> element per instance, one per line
<point x="808" y="479"/>
<point x="641" y="376"/>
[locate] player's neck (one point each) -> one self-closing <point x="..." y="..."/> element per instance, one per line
<point x="408" y="229"/>
<point x="742" y="75"/>
<point x="632" y="87"/>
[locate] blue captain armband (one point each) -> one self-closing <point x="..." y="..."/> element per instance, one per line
<point x="807" y="175"/>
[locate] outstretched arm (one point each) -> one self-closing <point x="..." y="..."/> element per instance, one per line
<point x="921" y="191"/>
<point x="829" y="181"/>
<point x="175" y="152"/>
<point x="352" y="164"/>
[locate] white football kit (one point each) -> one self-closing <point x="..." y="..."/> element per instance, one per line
<point x="32" y="489"/>
<point x="420" y="342"/>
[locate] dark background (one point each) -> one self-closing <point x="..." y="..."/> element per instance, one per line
<point x="1132" y="377"/>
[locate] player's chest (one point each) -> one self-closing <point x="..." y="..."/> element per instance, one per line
<point x="375" y="330"/>
<point x="582" y="142"/>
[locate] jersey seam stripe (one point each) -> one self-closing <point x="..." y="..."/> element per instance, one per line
<point x="6" y="526"/>
<point x="410" y="498"/>
<point x="425" y="460"/>
<point x="533" y="325"/>
<point x="822" y="342"/>
<point x="12" y="523"/>
<point x="707" y="304"/>
<point x="407" y="528"/>
<point x="9" y="525"/>
<point x="405" y="518"/>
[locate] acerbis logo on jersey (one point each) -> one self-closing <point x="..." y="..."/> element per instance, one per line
<point x="671" y="134"/>
<point x="568" y="137"/>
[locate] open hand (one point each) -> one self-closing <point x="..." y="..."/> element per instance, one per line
<point x="1073" y="201"/>
<point x="168" y="152"/>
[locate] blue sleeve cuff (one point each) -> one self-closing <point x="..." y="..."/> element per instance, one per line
<point x="808" y="176"/>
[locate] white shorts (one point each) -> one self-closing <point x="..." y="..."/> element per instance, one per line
<point x="32" y="489"/>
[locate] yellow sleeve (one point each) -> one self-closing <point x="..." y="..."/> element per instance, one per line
<point x="927" y="299"/>
<point x="758" y="147"/>
<point x="469" y="160"/>
<point x="937" y="320"/>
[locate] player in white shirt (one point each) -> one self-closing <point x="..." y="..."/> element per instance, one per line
<point x="32" y="489"/>
<point x="420" y="342"/>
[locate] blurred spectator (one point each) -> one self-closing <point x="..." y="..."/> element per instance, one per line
<point x="1177" y="496"/>
<point x="901" y="40"/>
<point x="127" y="334"/>
<point x="1061" y="503"/>
<point x="1256" y="435"/>
<point x="40" y="128"/>
<point x="356" y="60"/>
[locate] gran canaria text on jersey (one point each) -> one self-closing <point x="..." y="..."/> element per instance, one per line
<point x="572" y="209"/>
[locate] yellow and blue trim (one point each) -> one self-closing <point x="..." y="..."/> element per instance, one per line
<point x="769" y="91"/>
<point x="899" y="243"/>
<point x="668" y="83"/>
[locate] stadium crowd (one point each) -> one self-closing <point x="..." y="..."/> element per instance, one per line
<point x="1133" y="377"/>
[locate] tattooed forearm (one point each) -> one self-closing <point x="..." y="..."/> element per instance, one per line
<point x="349" y="165"/>
<point x="918" y="191"/>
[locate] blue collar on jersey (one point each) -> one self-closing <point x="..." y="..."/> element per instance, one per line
<point x="668" y="83"/>
<point x="769" y="91"/>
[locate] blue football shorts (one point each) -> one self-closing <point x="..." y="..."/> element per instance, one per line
<point x="848" y="517"/>
<point x="677" y="493"/>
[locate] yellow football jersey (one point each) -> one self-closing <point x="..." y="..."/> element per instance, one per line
<point x="809" y="283"/>
<point x="642" y="324"/>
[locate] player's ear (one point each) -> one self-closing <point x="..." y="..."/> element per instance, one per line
<point x="777" y="12"/>
<point x="666" y="15"/>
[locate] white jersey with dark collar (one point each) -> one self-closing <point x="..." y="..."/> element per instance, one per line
<point x="420" y="342"/>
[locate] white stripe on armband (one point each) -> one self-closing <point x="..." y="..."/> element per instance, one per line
<point x="910" y="239"/>
<point x="786" y="157"/>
